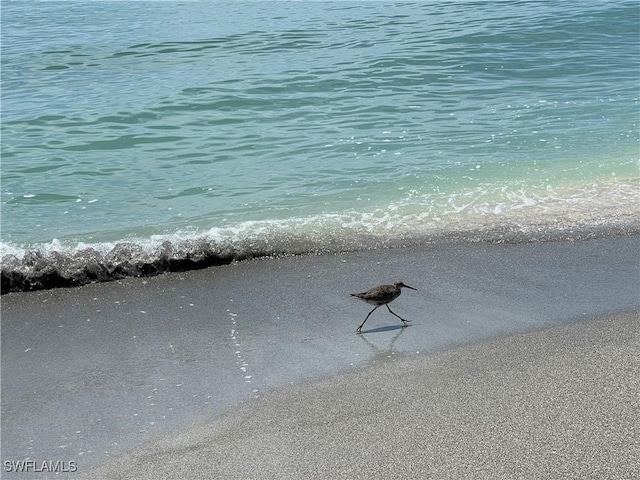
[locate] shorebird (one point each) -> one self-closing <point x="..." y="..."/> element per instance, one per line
<point x="381" y="295"/>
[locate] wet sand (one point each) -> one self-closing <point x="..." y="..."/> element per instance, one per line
<point x="94" y="373"/>
<point x="559" y="403"/>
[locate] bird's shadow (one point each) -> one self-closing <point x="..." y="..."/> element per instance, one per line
<point x="388" y="328"/>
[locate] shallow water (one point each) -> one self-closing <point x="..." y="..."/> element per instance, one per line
<point x="226" y="130"/>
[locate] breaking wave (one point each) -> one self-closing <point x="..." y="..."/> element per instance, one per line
<point x="468" y="216"/>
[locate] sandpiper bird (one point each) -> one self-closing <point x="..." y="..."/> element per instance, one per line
<point x="381" y="295"/>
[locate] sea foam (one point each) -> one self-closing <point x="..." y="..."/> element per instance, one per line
<point x="467" y="216"/>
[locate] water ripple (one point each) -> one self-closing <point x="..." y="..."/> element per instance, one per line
<point x="230" y="115"/>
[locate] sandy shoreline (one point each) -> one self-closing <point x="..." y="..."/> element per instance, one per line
<point x="558" y="403"/>
<point x="94" y="373"/>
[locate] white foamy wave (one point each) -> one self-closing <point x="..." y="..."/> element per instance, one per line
<point x="477" y="214"/>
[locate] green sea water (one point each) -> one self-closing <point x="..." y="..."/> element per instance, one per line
<point x="261" y="127"/>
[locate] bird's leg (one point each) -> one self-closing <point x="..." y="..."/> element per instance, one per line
<point x="360" y="327"/>
<point x="403" y="320"/>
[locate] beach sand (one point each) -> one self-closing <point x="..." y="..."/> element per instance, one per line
<point x="521" y="361"/>
<point x="559" y="403"/>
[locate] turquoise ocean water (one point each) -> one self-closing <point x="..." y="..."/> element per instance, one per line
<point x="143" y="136"/>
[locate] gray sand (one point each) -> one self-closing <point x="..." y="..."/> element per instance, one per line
<point x="562" y="403"/>
<point x="93" y="373"/>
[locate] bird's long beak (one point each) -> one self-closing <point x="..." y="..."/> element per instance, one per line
<point x="409" y="287"/>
